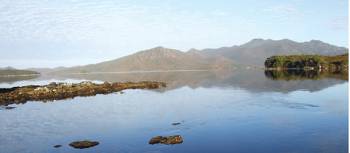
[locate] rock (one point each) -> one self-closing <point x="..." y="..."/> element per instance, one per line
<point x="52" y="84"/>
<point x="57" y="146"/>
<point x="155" y="140"/>
<point x="176" y="139"/>
<point x="83" y="144"/>
<point x="9" y="107"/>
<point x="177" y="123"/>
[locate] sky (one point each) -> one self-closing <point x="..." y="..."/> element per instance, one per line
<point x="51" y="33"/>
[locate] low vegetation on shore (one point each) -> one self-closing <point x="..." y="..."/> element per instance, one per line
<point x="308" y="62"/>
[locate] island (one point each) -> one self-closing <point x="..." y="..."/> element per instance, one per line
<point x="337" y="63"/>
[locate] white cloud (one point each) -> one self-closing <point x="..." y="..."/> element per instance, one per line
<point x="283" y="12"/>
<point x="220" y="13"/>
<point x="339" y="23"/>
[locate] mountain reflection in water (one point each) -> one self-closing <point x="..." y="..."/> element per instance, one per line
<point x="218" y="111"/>
<point x="293" y="74"/>
<point x="250" y="80"/>
<point x="13" y="79"/>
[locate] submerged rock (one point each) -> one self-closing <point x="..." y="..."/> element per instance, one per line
<point x="83" y="144"/>
<point x="57" y="146"/>
<point x="176" y="139"/>
<point x="177" y="123"/>
<point x="9" y="107"/>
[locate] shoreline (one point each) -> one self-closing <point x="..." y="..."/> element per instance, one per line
<point x="17" y="75"/>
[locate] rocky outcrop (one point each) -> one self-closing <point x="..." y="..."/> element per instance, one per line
<point x="58" y="91"/>
<point x="176" y="139"/>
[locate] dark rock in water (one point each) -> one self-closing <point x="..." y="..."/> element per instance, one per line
<point x="57" y="146"/>
<point x="176" y="139"/>
<point x="83" y="144"/>
<point x="155" y="140"/>
<point x="177" y="123"/>
<point x="9" y="107"/>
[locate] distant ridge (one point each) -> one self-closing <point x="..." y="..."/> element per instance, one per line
<point x="256" y="51"/>
<point x="252" y="53"/>
<point x="156" y="59"/>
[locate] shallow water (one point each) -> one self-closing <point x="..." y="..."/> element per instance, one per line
<point x="241" y="111"/>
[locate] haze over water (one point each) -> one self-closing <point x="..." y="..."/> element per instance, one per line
<point x="242" y="111"/>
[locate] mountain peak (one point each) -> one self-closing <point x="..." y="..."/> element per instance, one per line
<point x="158" y="47"/>
<point x="254" y="42"/>
<point x="193" y="50"/>
<point x="257" y="40"/>
<point x="316" y="41"/>
<point x="286" y="40"/>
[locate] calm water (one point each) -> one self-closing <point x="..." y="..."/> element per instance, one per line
<point x="239" y="111"/>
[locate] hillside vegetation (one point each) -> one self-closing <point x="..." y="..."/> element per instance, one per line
<point x="308" y="62"/>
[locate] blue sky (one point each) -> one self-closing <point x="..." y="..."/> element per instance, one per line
<point x="51" y="33"/>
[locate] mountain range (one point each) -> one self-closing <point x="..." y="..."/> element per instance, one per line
<point x="252" y="53"/>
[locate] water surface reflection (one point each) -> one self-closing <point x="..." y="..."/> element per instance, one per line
<point x="238" y="111"/>
<point x="250" y="80"/>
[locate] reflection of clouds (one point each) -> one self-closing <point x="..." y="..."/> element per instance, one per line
<point x="146" y="114"/>
<point x="337" y="107"/>
<point x="278" y="100"/>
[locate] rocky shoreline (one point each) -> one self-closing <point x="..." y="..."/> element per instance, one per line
<point x="58" y="91"/>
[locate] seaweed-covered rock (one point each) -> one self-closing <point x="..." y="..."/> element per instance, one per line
<point x="83" y="144"/>
<point x="176" y="123"/>
<point x="176" y="139"/>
